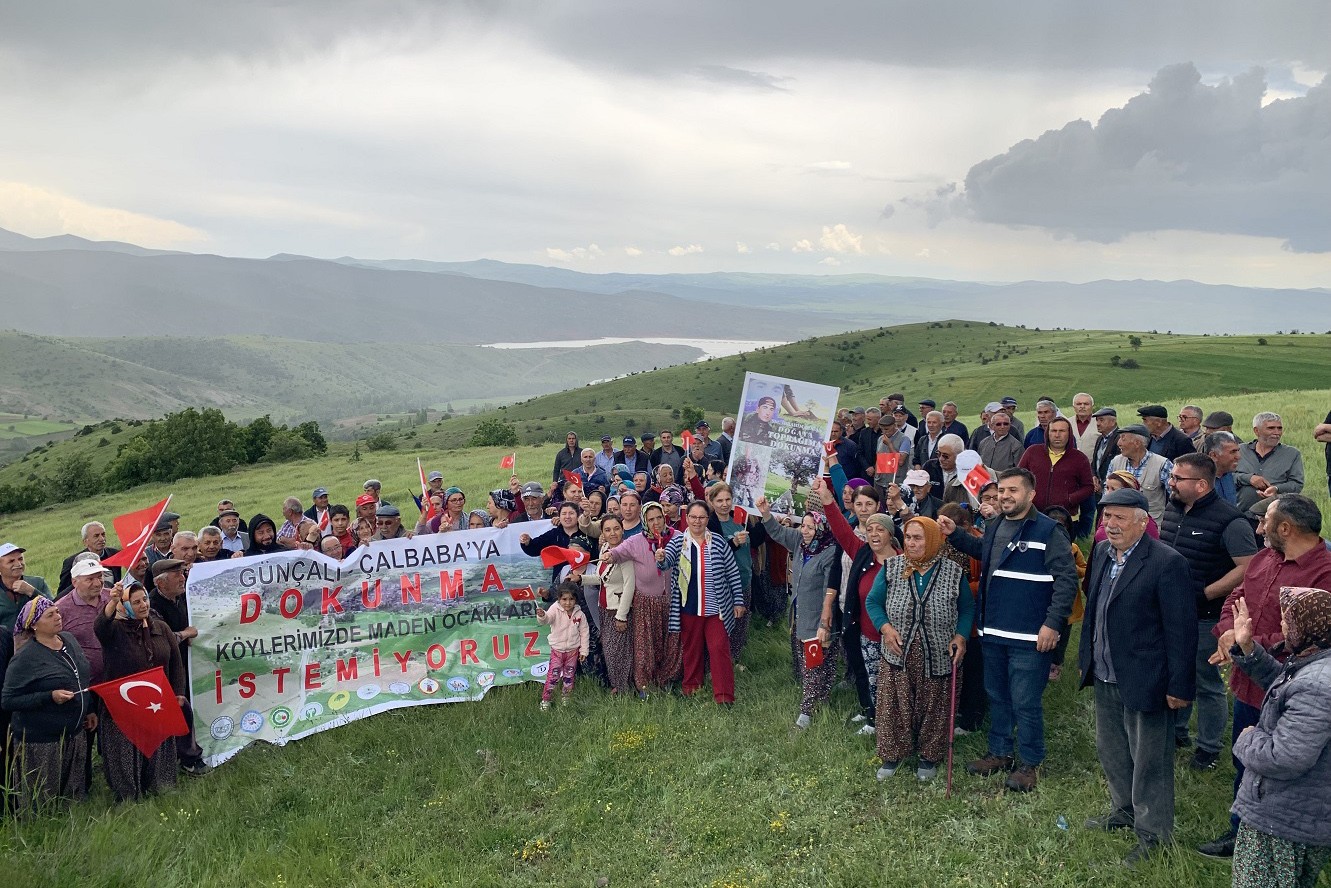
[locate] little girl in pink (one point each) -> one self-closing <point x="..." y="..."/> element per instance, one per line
<point x="569" y="637"/>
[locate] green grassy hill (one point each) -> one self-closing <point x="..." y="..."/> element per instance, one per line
<point x="670" y="792"/>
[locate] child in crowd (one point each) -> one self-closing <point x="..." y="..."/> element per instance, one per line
<point x="569" y="639"/>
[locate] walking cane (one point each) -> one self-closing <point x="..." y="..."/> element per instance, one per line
<point x="951" y="731"/>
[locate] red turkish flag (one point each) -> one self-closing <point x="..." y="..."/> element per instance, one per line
<point x="572" y="478"/>
<point x="134" y="530"/>
<point x="523" y="594"/>
<point x="975" y="480"/>
<point x="740" y="515"/>
<point x="686" y="438"/>
<point x="509" y="462"/>
<point x="888" y="463"/>
<point x="813" y="653"/>
<point x="552" y="555"/>
<point x="829" y="447"/>
<point x="144" y="708"/>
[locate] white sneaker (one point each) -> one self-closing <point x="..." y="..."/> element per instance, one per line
<point x="925" y="773"/>
<point x="545" y="705"/>
<point x="959" y="732"/>
<point x="802" y="722"/>
<point x="887" y="770"/>
<point x="867" y="731"/>
<point x="859" y="718"/>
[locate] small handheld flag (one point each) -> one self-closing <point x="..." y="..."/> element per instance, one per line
<point x="552" y="555"/>
<point x="813" y="653"/>
<point x="829" y="447"/>
<point x="741" y="514"/>
<point x="146" y="717"/>
<point x="572" y="478"/>
<point x="686" y="438"/>
<point x="888" y="463"/>
<point x="976" y="480"/>
<point x="134" y="530"/>
<point x="509" y="462"/>
<point x="524" y="593"/>
<point x="423" y="502"/>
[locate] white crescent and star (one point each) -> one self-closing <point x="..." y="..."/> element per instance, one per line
<point x="125" y="688"/>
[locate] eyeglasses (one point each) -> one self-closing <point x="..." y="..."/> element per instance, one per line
<point x="1180" y="478"/>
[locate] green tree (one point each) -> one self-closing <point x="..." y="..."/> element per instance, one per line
<point x="74" y="478"/>
<point x="493" y="432"/>
<point x="287" y="445"/>
<point x="1135" y="342"/>
<point x="188" y="444"/>
<point x="258" y="435"/>
<point x="381" y="441"/>
<point x="690" y="415"/>
<point x="311" y="433"/>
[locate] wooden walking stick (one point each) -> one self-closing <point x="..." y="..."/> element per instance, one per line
<point x="951" y="731"/>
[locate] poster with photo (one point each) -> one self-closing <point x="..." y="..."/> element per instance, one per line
<point x="779" y="437"/>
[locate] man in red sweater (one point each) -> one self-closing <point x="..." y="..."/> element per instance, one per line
<point x="1062" y="473"/>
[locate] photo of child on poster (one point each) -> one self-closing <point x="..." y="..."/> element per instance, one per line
<point x="779" y="440"/>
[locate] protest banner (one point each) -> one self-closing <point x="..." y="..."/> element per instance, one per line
<point x="779" y="439"/>
<point x="294" y="643"/>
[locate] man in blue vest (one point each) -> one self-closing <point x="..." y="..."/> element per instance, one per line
<point x="1027" y="585"/>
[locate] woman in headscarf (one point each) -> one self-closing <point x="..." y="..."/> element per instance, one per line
<point x="922" y="605"/>
<point x="478" y="519"/>
<point x="867" y="546"/>
<point x="454" y="516"/>
<point x="705" y="599"/>
<point x="500" y="505"/>
<point x="615" y="585"/>
<point x="1118" y="481"/>
<point x="50" y="710"/>
<point x="1284" y="836"/>
<point x="672" y="502"/>
<point x="656" y="650"/>
<point x="263" y="536"/>
<point x="737" y="533"/>
<point x="815" y="578"/>
<point x="134" y="640"/>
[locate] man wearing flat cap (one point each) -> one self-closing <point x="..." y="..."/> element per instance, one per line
<point x="1166" y="440"/>
<point x="1138" y="650"/>
<point x="388" y="521"/>
<point x="168" y="600"/>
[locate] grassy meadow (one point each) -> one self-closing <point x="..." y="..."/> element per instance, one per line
<point x="670" y="791"/>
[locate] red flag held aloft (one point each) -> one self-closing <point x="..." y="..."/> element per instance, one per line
<point x="134" y="530"/>
<point x="829" y="447"/>
<point x="740" y="514"/>
<point x="888" y="463"/>
<point x="976" y="480"/>
<point x="524" y="593"/>
<point x="813" y="653"/>
<point x="509" y="462"/>
<point x="552" y="555"/>
<point x="686" y="439"/>
<point x="572" y="478"/>
<point x="144" y="708"/>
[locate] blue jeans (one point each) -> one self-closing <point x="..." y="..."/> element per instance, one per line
<point x="1211" y="696"/>
<point x="1014" y="678"/>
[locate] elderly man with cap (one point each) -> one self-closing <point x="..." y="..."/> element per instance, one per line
<point x="159" y="546"/>
<point x="1138" y="650"/>
<point x="1002" y="450"/>
<point x="225" y="506"/>
<point x="710" y="449"/>
<point x="1150" y="469"/>
<point x="895" y="401"/>
<point x="168" y="600"/>
<point x="983" y="431"/>
<point x="890" y="440"/>
<point x="631" y="458"/>
<point x="533" y="502"/>
<point x="1166" y="440"/>
<point x="434" y="483"/>
<point x="647" y="446"/>
<point x="94" y="541"/>
<point x="1106" y="444"/>
<point x="318" y="513"/>
<point x="233" y="538"/>
<point x="16" y="587"/>
<point x="78" y="610"/>
<point x="388" y="521"/>
<point x="1009" y="405"/>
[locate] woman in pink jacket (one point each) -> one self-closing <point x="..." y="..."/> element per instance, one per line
<point x="656" y="652"/>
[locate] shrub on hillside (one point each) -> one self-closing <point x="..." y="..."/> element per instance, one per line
<point x="493" y="432"/>
<point x="187" y="444"/>
<point x="381" y="441"/>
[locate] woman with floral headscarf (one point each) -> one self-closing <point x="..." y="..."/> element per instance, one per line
<point x="656" y="650"/>
<point x="1284" y="802"/>
<point x="816" y="574"/>
<point x="45" y="692"/>
<point x="500" y="504"/>
<point x="921" y="603"/>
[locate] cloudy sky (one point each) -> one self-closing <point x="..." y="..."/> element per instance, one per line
<point x="990" y="141"/>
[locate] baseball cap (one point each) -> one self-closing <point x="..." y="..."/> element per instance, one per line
<point x="859" y="410"/>
<point x="533" y="488"/>
<point x="318" y="492"/>
<point x="629" y="439"/>
<point x="364" y="500"/>
<point x="435" y="476"/>
<point x="917" y="476"/>
<point x="10" y="549"/>
<point x="606" y="439"/>
<point x="703" y="424"/>
<point x="86" y="568"/>
<point x="992" y="407"/>
<point x="1008" y="401"/>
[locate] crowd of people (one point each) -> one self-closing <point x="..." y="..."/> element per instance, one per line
<point x="1177" y="548"/>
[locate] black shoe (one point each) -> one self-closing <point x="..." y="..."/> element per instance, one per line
<point x="195" y="769"/>
<point x="1219" y="848"/>
<point x="1143" y="852"/>
<point x="1110" y="822"/>
<point x="1204" y="761"/>
<point x="1182" y="742"/>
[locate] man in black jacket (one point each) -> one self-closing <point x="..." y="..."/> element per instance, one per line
<point x="1166" y="440"/>
<point x="1106" y="446"/>
<point x="1218" y="543"/>
<point x="94" y="540"/>
<point x="1139" y="649"/>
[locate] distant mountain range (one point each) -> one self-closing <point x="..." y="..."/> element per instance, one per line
<point x="112" y="329"/>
